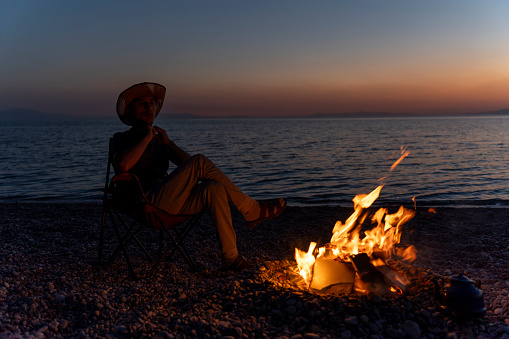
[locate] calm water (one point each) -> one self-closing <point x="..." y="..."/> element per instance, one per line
<point x="309" y="161"/>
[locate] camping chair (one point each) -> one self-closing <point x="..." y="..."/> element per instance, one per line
<point x="126" y="204"/>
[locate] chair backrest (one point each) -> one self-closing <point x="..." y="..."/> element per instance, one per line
<point x="124" y="190"/>
<point x="126" y="193"/>
<point x="107" y="182"/>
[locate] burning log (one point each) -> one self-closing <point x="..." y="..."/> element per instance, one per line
<point x="372" y="279"/>
<point x="380" y="254"/>
<point x="379" y="279"/>
<point x="393" y="278"/>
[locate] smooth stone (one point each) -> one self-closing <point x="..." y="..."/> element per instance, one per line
<point x="59" y="297"/>
<point x="351" y="320"/>
<point x="346" y="334"/>
<point x="121" y="329"/>
<point x="411" y="329"/>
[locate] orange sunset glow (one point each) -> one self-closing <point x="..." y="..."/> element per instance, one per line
<point x="258" y="59"/>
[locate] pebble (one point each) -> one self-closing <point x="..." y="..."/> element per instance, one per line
<point x="165" y="335"/>
<point x="59" y="298"/>
<point x="291" y="310"/>
<point x="411" y="329"/>
<point x="364" y="318"/>
<point x="121" y="329"/>
<point x="351" y="320"/>
<point x="346" y="334"/>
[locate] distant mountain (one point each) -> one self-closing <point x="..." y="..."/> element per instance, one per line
<point x="360" y="115"/>
<point x="23" y="114"/>
<point x="402" y="115"/>
<point x="499" y="112"/>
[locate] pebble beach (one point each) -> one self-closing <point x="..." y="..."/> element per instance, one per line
<point x="52" y="287"/>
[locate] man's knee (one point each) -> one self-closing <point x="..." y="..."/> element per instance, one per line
<point x="198" y="159"/>
<point x="214" y="190"/>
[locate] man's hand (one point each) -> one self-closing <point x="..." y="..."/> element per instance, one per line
<point x="160" y="135"/>
<point x="149" y="133"/>
<point x="177" y="155"/>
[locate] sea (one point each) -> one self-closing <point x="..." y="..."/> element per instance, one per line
<point x="452" y="161"/>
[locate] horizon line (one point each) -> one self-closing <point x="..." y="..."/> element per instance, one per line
<point x="26" y="113"/>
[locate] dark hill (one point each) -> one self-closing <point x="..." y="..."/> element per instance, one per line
<point x="23" y="114"/>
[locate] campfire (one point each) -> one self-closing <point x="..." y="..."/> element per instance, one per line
<point x="358" y="261"/>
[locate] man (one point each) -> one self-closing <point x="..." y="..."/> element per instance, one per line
<point x="196" y="184"/>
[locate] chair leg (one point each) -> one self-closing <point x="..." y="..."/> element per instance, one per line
<point x="127" y="237"/>
<point x="175" y="245"/>
<point x="182" y="235"/>
<point x="122" y="245"/>
<point x="175" y="238"/>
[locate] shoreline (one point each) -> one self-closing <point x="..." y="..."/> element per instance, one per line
<point x="463" y="204"/>
<point x="49" y="287"/>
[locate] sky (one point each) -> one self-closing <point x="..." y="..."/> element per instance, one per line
<point x="257" y="58"/>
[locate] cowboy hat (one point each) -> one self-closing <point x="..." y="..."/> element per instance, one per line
<point x="144" y="89"/>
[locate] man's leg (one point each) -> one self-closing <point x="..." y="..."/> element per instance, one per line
<point x="190" y="190"/>
<point x="212" y="195"/>
<point x="174" y="191"/>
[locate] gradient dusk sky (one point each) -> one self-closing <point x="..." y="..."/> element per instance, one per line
<point x="258" y="58"/>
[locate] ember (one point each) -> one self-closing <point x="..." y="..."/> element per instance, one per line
<point x="348" y="252"/>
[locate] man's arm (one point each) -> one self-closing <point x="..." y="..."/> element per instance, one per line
<point x="125" y="159"/>
<point x="177" y="155"/>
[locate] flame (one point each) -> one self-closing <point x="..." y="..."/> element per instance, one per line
<point x="347" y="240"/>
<point x="346" y="237"/>
<point x="404" y="154"/>
<point x="305" y="262"/>
<point x="407" y="254"/>
<point x="361" y="202"/>
<point x="432" y="210"/>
